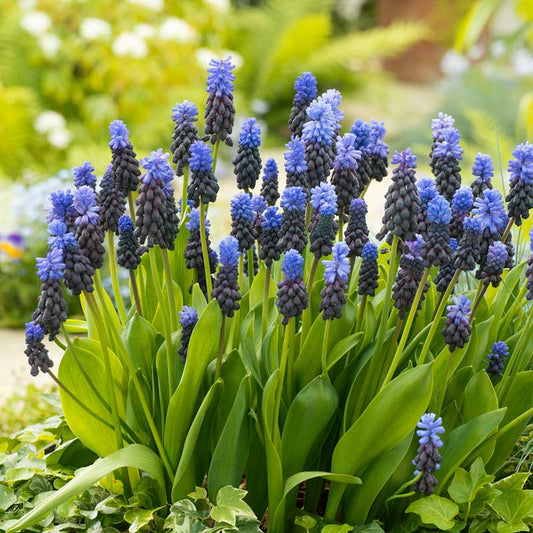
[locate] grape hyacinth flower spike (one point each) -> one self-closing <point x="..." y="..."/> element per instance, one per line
<point x="529" y="269"/>
<point x="295" y="164"/>
<point x="293" y="233"/>
<point x="84" y="175"/>
<point x="61" y="207"/>
<point x="462" y="203"/>
<point x="188" y="319"/>
<point x="35" y="351"/>
<point x="437" y="250"/>
<point x="439" y="126"/>
<point x="51" y="312"/>
<point x="219" y="108"/>
<point x="226" y="287"/>
<point x="428" y="458"/>
<point x="292" y="299"/>
<point x="111" y="201"/>
<point x="445" y="274"/>
<point x="247" y="163"/>
<point x="493" y="268"/>
<point x="324" y="202"/>
<point x="270" y="235"/>
<point x="520" y="197"/>
<point x="483" y="169"/>
<point x="128" y="250"/>
<point x="344" y="177"/>
<point x="269" y="185"/>
<point x="427" y="190"/>
<point x="185" y="134"/>
<point x="305" y="88"/>
<point x="336" y="274"/>
<point x="242" y="220"/>
<point x="259" y="206"/>
<point x="457" y="330"/>
<point x="361" y="130"/>
<point x="447" y="154"/>
<point x="333" y="97"/>
<point x="378" y="150"/>
<point x="468" y="250"/>
<point x="368" y="273"/>
<point x="203" y="187"/>
<point x="496" y="359"/>
<point x="356" y="234"/>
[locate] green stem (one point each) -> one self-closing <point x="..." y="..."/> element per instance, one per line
<point x="131" y="204"/>
<point x="114" y="276"/>
<point x="205" y="251"/>
<point x="407" y="328"/>
<point x="170" y="289"/>
<point x="481" y="290"/>
<point x="183" y="209"/>
<point x="221" y="347"/>
<point x="282" y="370"/>
<point x="325" y="341"/>
<point x="306" y="317"/>
<point x="362" y="195"/>
<point x="250" y="265"/>
<point x="340" y="232"/>
<point x="135" y="291"/>
<point x="59" y="343"/>
<point x="508" y="229"/>
<point x="512" y="311"/>
<point x="361" y="311"/>
<point x="215" y="156"/>
<point x="266" y="294"/>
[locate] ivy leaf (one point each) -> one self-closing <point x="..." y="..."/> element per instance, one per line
<point x="436" y="511"/>
<point x="199" y="494"/>
<point x="7" y="497"/>
<point x="512" y="482"/>
<point x="465" y="485"/>
<point x="221" y="513"/>
<point x="514" y="505"/>
<point x="138" y="518"/>
<point x="373" y="527"/>
<point x="305" y="521"/>
<point x="337" y="528"/>
<point x="232" y="497"/>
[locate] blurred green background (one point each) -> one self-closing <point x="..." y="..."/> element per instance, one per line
<point x="69" y="67"/>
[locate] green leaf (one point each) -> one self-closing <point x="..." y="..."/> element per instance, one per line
<point x="436" y="511"/>
<point x="7" y="497"/>
<point x="221" y="513"/>
<point x="465" y="485"/>
<point x="480" y="397"/>
<point x="134" y="456"/>
<point x="512" y="482"/>
<point x="305" y="521"/>
<point x="339" y="528"/>
<point x="140" y="339"/>
<point x="138" y="518"/>
<point x="232" y="497"/>
<point x="514" y="506"/>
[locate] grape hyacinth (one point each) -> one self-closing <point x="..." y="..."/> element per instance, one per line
<point x="344" y="177"/>
<point x="445" y="163"/>
<point x="427" y="190"/>
<point x="493" y="268"/>
<point x="295" y="164"/>
<point x="356" y="234"/>
<point x="529" y="269"/>
<point x="185" y="133"/>
<point x="361" y="130"/>
<point x="270" y="235"/>
<point x="445" y="274"/>
<point x="247" y="163"/>
<point x="428" y="458"/>
<point x="402" y="202"/>
<point x="36" y="351"/>
<point x="51" y="312"/>
<point x="61" y="207"/>
<point x="269" y="186"/>
<point x="377" y="150"/>
<point x="219" y="108"/>
<point x="305" y="88"/>
<point x="292" y="299"/>
<point x="242" y="220"/>
<point x="437" y="250"/>
<point x="368" y="273"/>
<point x="324" y="202"/>
<point x="496" y="359"/>
<point x="83" y="175"/>
<point x="111" y="201"/>
<point x="226" y="287"/>
<point x="293" y="234"/>
<point x="468" y="250"/>
<point x="128" y="253"/>
<point x="188" y="319"/>
<point x="520" y="197"/>
<point x="336" y="274"/>
<point x="255" y="262"/>
<point x="203" y="186"/>
<point x="126" y="171"/>
<point x="457" y="330"/>
<point x="483" y="169"/>
<point x="439" y="126"/>
<point x="259" y="206"/>
<point x="462" y="203"/>
<point x="89" y="233"/>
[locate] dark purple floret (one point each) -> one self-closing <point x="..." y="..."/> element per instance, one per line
<point x="111" y="201"/>
<point x="356" y="234"/>
<point x="35" y="351"/>
<point x="247" y="163"/>
<point x="185" y="133"/>
<point x="89" y="233"/>
<point x="457" y="330"/>
<point x="226" y="286"/>
<point x="295" y="164"/>
<point x="483" y="169"/>
<point x="126" y="171"/>
<point x="270" y="235"/>
<point x="500" y="352"/>
<point x="520" y="197"/>
<point x="292" y="298"/>
<point x="344" y="177"/>
<point x="242" y="220"/>
<point x="427" y="190"/>
<point x="368" y="273"/>
<point x="437" y="250"/>
<point x="188" y="319"/>
<point x="269" y="186"/>
<point x="447" y="153"/>
<point x="336" y="274"/>
<point x="293" y="234"/>
<point x="445" y="274"/>
<point x="305" y="88"/>
<point x="496" y="260"/>
<point x="377" y="150"/>
<point x="128" y="253"/>
<point x="203" y="186"/>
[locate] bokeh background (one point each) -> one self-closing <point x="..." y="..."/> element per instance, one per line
<point x="69" y="67"/>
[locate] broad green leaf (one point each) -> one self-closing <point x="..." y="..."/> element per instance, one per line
<point x="7" y="497"/>
<point x="480" y="397"/>
<point x="305" y="521"/>
<point x="465" y="485"/>
<point x="232" y="497"/>
<point x="134" y="456"/>
<point x="514" y="506"/>
<point x="512" y="482"/>
<point x="221" y="513"/>
<point x="339" y="528"/>
<point x="140" y="340"/>
<point x="138" y="518"/>
<point x="436" y="511"/>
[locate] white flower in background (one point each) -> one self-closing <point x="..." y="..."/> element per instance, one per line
<point x="144" y="30"/>
<point x="177" y="29"/>
<point x="156" y="5"/>
<point x="59" y="138"/>
<point x="476" y="52"/>
<point x="130" y="44"/>
<point x="454" y="64"/>
<point x="204" y="55"/>
<point x="259" y="107"/>
<point x="94" y="28"/>
<point x="27" y="5"/>
<point x="221" y="5"/>
<point x="498" y="48"/>
<point x="35" y="22"/>
<point x="54" y="127"/>
<point x="50" y="44"/>
<point x="522" y="61"/>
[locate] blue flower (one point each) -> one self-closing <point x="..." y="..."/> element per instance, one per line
<point x="59" y="237"/>
<point x="361" y="130"/>
<point x="376" y="145"/>
<point x="119" y="135"/>
<point x="83" y="175"/>
<point x="339" y="266"/>
<point x="85" y="205"/>
<point x="521" y="167"/>
<point x="258" y="204"/>
<point x="220" y="78"/>
<point x="427" y="189"/>
<point x="347" y="155"/>
<point x="405" y="159"/>
<point x="52" y="266"/>
<point x="370" y="252"/>
<point x="453" y="244"/>
<point x="416" y="246"/>
<point x="292" y="265"/>
<point x="497" y="256"/>
<point x="483" y="167"/>
<point x="460" y="310"/>
<point x="430" y="427"/>
<point x="293" y="198"/>
<point x="321" y="127"/>
<point x="157" y="167"/>
<point x="270" y="169"/>
<point x="34" y="333"/>
<point x="188" y="316"/>
<point x="194" y="220"/>
<point x="531" y="239"/>
<point x="200" y="156"/>
<point x="440" y="124"/>
<point x="490" y="211"/>
<point x="334" y="99"/>
<point x="185" y="113"/>
<point x="305" y="87"/>
<point x="448" y="145"/>
<point x="229" y="251"/>
<point x="250" y="135"/>
<point x="472" y="224"/>
<point x="463" y="200"/>
<point x="358" y="205"/>
<point x="324" y="199"/>
<point x="439" y="211"/>
<point x="125" y="224"/>
<point x="272" y="218"/>
<point x="295" y="158"/>
<point x="61" y="205"/>
<point x="497" y="358"/>
<point x="241" y="207"/>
